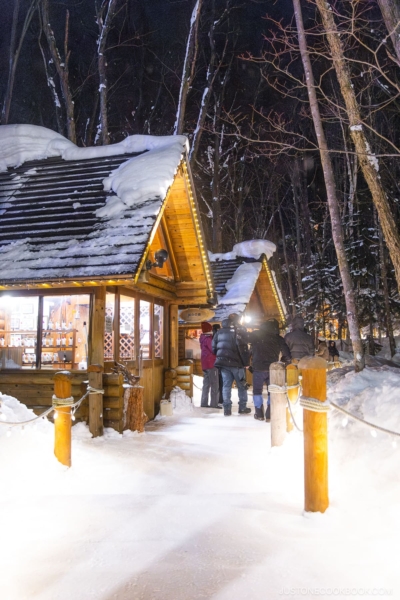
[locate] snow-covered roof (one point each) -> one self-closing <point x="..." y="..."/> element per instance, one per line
<point x="236" y="274"/>
<point x="69" y="212"/>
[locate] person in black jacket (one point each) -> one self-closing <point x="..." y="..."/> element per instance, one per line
<point x="266" y="347"/>
<point x="300" y="343"/>
<point x="225" y="347"/>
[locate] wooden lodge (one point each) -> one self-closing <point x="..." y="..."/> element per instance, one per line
<point x="82" y="284"/>
<point x="259" y="298"/>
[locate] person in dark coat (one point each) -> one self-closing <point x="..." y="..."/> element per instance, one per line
<point x="299" y="342"/>
<point x="216" y="327"/>
<point x="333" y="351"/>
<point x="211" y="379"/>
<point x="322" y="351"/>
<point x="229" y="361"/>
<point x="266" y="347"/>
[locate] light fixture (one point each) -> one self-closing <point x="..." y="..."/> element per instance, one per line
<point x="247" y="319"/>
<point x="161" y="256"/>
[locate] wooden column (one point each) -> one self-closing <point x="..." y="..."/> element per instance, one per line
<point x="173" y="336"/>
<point x="315" y="427"/>
<point x="292" y="378"/>
<point x="62" y="418"/>
<point x="96" y="360"/>
<point x="95" y="373"/>
<point x="277" y="376"/>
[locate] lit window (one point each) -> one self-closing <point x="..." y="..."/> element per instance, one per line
<point x="158" y="323"/>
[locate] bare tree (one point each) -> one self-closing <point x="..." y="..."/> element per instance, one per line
<point x="61" y="65"/>
<point x="15" y="51"/>
<point x="105" y="15"/>
<point x="368" y="161"/>
<point x="189" y="66"/>
<point x="337" y="231"/>
<point x="391" y="14"/>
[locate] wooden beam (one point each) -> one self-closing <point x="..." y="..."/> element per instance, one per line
<point x="96" y="330"/>
<point x="171" y="253"/>
<point x="155" y="291"/>
<point x="173" y="336"/>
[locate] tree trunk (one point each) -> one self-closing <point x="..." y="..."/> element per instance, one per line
<point x="216" y="201"/>
<point x="14" y="54"/>
<point x="388" y="320"/>
<point x="390" y="10"/>
<point x="337" y="231"/>
<point x="368" y="161"/>
<point x="61" y="67"/>
<point x="104" y="27"/>
<point x="188" y="68"/>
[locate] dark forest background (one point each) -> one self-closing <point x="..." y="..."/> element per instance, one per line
<point x="99" y="71"/>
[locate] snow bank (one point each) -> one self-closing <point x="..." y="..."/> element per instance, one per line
<point x="249" y="249"/>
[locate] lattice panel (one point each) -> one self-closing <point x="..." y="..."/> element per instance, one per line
<point x="158" y="329"/>
<point x="145" y="328"/>
<point x="109" y="337"/>
<point x="127" y="337"/>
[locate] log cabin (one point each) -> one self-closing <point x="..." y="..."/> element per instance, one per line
<point x="245" y="285"/>
<point x="99" y="249"/>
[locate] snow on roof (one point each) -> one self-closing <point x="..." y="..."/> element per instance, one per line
<point x="241" y="286"/>
<point x="88" y="212"/>
<point x="248" y="249"/>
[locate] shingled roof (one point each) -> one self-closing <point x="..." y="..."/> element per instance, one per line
<point x="59" y="219"/>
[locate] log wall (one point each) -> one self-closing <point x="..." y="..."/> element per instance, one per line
<point x="35" y="390"/>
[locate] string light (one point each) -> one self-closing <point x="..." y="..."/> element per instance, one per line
<point x="345" y="422"/>
<point x="9" y="432"/>
<point x="373" y="433"/>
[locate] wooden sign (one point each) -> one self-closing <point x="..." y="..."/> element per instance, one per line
<point x="196" y="315"/>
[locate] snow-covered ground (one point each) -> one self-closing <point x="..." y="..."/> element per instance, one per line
<point x="201" y="507"/>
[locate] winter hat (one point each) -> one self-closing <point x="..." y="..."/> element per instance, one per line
<point x="206" y="327"/>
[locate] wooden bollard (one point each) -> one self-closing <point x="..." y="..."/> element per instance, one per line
<point x="315" y="426"/>
<point x="135" y="417"/>
<point x="277" y="376"/>
<point x="292" y="378"/>
<point x="95" y="373"/>
<point x="62" y="417"/>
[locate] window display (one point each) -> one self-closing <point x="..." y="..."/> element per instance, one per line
<point x="18" y="331"/>
<point x="64" y="332"/>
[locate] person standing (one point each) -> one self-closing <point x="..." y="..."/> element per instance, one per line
<point x="226" y="345"/>
<point x="216" y="327"/>
<point x="333" y="351"/>
<point x="299" y="342"/>
<point x="322" y="351"/>
<point x="266" y="347"/>
<point x="211" y="376"/>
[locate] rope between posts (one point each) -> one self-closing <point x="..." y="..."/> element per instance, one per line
<point x="291" y="414"/>
<point x="57" y="402"/>
<point x="349" y="414"/>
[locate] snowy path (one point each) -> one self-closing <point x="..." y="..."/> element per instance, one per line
<point x="198" y="507"/>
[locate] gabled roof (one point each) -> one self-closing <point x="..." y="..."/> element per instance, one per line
<point x="75" y="213"/>
<point x="238" y="274"/>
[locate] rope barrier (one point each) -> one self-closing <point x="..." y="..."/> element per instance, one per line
<point x="57" y="403"/>
<point x="314" y="405"/>
<point x="378" y="427"/>
<point x="292" y="416"/>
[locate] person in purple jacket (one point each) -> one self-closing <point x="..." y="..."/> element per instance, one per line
<point x="211" y="378"/>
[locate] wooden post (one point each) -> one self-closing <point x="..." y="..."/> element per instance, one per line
<point x="315" y="425"/>
<point x="277" y="376"/>
<point x="292" y="378"/>
<point x="96" y="360"/>
<point x="173" y="336"/>
<point x="96" y="400"/>
<point x="62" y="418"/>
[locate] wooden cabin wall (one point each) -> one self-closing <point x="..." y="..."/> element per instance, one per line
<point x="35" y="389"/>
